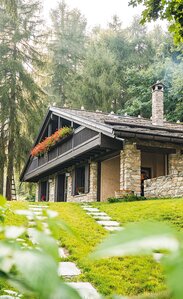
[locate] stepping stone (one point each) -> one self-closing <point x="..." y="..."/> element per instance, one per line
<point x="108" y="223"/>
<point x="91" y="209"/>
<point x="97" y="214"/>
<point x="68" y="269"/>
<point x="114" y="228"/>
<point x="38" y="206"/>
<point x="158" y="256"/>
<point x="31" y="235"/>
<point x="12" y="294"/>
<point x="20" y="240"/>
<point x="47" y="231"/>
<point x="41" y="218"/>
<point x="35" y="209"/>
<point x="85" y="289"/>
<point x="63" y="253"/>
<point x="45" y="225"/>
<point x="38" y="213"/>
<point x="102" y="217"/>
<point x="30" y="217"/>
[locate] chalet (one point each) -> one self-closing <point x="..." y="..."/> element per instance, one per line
<point x="91" y="156"/>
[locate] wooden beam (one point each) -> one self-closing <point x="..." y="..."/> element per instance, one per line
<point x="152" y="149"/>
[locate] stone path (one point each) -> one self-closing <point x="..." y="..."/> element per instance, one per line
<point x="102" y="218"/>
<point x="66" y="269"/>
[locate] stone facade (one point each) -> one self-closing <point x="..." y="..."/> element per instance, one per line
<point x="92" y="194"/>
<point x="164" y="186"/>
<point x="157" y="104"/>
<point x="130" y="169"/>
<point x="37" y="192"/>
<point x="176" y="163"/>
<point x="51" y="188"/>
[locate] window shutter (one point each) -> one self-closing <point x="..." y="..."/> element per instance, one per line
<point x="73" y="182"/>
<point x="87" y="178"/>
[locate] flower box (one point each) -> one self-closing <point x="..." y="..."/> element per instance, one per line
<point x="46" y="145"/>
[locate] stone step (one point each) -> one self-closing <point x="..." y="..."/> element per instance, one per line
<point x="102" y="217"/>
<point x="63" y="253"/>
<point x="38" y="206"/>
<point x="37" y="213"/>
<point x="91" y="209"/>
<point x="114" y="228"/>
<point x="41" y="218"/>
<point x="97" y="214"/>
<point x="68" y="269"/>
<point x="108" y="223"/>
<point x="35" y="209"/>
<point x="85" y="289"/>
<point x="158" y="256"/>
<point x="31" y="235"/>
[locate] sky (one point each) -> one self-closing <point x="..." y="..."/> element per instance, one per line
<point x="98" y="12"/>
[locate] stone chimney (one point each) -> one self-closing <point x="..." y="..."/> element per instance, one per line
<point x="157" y="104"/>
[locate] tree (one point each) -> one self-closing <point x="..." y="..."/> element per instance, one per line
<point x="67" y="50"/>
<point x="98" y="88"/>
<point x="20" y="96"/>
<point x="170" y="10"/>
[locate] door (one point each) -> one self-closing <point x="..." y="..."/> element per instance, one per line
<point x="145" y="175"/>
<point x="44" y="191"/>
<point x="61" y="187"/>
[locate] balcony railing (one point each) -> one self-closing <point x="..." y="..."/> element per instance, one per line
<point x="80" y="136"/>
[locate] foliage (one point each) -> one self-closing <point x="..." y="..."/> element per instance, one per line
<point x="49" y="142"/>
<point x="23" y="262"/>
<point x="20" y="94"/>
<point x="127" y="198"/>
<point x="67" y="51"/>
<point x="170" y="10"/>
<point x="30" y="198"/>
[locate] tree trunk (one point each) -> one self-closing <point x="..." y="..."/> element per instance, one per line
<point x="2" y="161"/>
<point x="11" y="139"/>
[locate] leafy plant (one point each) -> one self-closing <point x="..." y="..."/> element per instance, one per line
<point x="31" y="264"/>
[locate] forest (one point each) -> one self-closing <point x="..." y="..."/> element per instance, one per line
<point x="65" y="64"/>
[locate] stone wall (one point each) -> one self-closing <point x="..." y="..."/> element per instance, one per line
<point x="130" y="169"/>
<point x="92" y="194"/>
<point x="176" y="163"/>
<point x="164" y="186"/>
<point x="37" y="192"/>
<point x="51" y="188"/>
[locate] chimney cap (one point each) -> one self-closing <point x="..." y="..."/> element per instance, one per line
<point x="159" y="84"/>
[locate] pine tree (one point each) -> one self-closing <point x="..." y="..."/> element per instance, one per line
<point x="67" y="50"/>
<point x="20" y="96"/>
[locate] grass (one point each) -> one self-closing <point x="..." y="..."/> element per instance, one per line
<point x="122" y="276"/>
<point x="125" y="276"/>
<point x="166" y="210"/>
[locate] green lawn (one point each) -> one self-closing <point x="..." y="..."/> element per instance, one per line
<point x="122" y="276"/>
<point x="125" y="276"/>
<point x="166" y="210"/>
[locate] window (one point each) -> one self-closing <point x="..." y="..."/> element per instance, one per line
<point x="80" y="180"/>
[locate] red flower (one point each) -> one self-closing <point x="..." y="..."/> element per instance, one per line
<point x="50" y="141"/>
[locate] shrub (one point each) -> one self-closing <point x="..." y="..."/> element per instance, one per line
<point x="31" y="198"/>
<point x="130" y="197"/>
